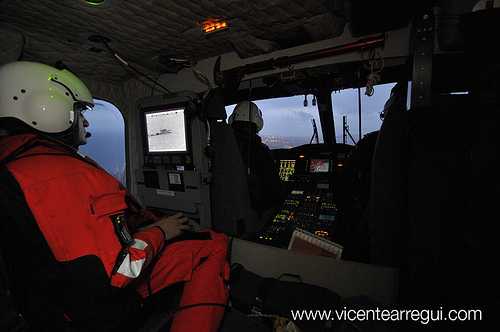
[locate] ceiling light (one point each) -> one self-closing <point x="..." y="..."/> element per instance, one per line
<point x="95" y="2"/>
<point x="210" y="26"/>
<point x="321" y="233"/>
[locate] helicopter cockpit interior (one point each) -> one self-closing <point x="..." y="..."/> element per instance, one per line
<point x="399" y="213"/>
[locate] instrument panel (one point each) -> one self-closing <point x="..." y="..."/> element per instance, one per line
<point x="315" y="213"/>
<point x="309" y="174"/>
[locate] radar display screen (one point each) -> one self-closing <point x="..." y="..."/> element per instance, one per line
<point x="319" y="166"/>
<point x="287" y="169"/>
<point x="166" y="131"/>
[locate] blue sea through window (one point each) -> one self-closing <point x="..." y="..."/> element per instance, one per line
<point x="107" y="144"/>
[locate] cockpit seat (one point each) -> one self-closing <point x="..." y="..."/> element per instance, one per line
<point x="387" y="203"/>
<point x="432" y="181"/>
<point x="232" y="212"/>
<point x="354" y="184"/>
<point x="231" y="209"/>
<point x="357" y="231"/>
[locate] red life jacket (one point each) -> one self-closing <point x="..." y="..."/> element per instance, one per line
<point x="69" y="199"/>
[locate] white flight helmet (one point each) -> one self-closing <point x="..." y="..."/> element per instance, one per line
<point x="247" y="111"/>
<point x="41" y="96"/>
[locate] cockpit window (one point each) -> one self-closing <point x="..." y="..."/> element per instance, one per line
<point x="106" y="145"/>
<point x="287" y="122"/>
<point x="345" y="106"/>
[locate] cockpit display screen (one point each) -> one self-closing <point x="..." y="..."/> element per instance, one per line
<point x="287" y="169"/>
<point x="166" y="131"/>
<point x="319" y="166"/>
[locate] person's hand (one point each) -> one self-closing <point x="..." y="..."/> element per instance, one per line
<point x="173" y="226"/>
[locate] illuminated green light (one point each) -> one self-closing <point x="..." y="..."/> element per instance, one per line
<point x="95" y="2"/>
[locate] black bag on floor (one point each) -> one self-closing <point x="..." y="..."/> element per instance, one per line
<point x="235" y="320"/>
<point x="250" y="292"/>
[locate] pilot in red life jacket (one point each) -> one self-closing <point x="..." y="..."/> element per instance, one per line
<point x="75" y="259"/>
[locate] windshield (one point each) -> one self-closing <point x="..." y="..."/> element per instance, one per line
<point x="287" y="122"/>
<point x="345" y="106"/>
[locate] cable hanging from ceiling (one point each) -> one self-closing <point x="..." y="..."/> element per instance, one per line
<point x="126" y="64"/>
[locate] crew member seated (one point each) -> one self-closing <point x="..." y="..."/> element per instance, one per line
<point x="82" y="253"/>
<point x="266" y="192"/>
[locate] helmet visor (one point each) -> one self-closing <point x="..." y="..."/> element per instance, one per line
<point x="82" y="107"/>
<point x="79" y="108"/>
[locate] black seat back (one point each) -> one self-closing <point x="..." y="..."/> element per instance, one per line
<point x="363" y="168"/>
<point x="231" y="207"/>
<point x="387" y="203"/>
<point x="10" y="318"/>
<point x="435" y="175"/>
<point x="354" y="191"/>
<point x="230" y="199"/>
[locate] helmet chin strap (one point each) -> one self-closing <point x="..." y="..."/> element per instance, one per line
<point x="71" y="136"/>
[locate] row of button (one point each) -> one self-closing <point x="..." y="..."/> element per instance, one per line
<point x="168" y="159"/>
